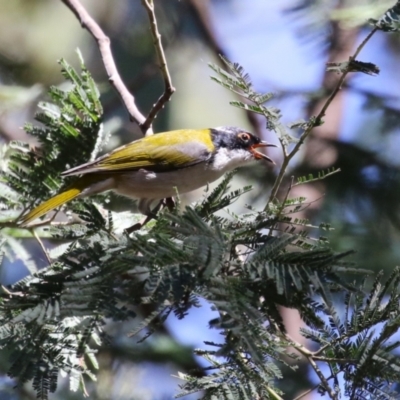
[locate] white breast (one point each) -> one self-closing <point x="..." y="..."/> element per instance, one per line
<point x="147" y="185"/>
<point x="157" y="185"/>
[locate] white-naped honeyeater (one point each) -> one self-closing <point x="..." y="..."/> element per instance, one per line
<point x="159" y="166"/>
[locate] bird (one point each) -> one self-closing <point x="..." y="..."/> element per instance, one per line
<point x="160" y="166"/>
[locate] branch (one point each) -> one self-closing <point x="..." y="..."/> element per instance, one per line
<point x="310" y="358"/>
<point x="114" y="78"/>
<point x="168" y="88"/>
<point x="34" y="233"/>
<point x="310" y="390"/>
<point x="317" y="179"/>
<point x="315" y="121"/>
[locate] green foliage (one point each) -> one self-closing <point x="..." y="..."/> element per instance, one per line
<point x="183" y="258"/>
<point x="349" y="345"/>
<point x="70" y="130"/>
<point x="301" y="180"/>
<point x="238" y="82"/>
<point x="357" y="346"/>
<point x="390" y="21"/>
<point x="246" y="267"/>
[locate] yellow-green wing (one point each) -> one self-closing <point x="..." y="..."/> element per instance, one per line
<point x="160" y="152"/>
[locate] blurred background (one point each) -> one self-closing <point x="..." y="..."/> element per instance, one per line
<point x="284" y="47"/>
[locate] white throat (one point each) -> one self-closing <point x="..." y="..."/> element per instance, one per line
<point x="228" y="159"/>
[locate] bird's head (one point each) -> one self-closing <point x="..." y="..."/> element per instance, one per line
<point x="235" y="147"/>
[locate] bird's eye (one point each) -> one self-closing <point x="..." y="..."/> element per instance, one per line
<point x="245" y="137"/>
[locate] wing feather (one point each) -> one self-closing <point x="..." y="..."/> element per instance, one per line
<point x="179" y="149"/>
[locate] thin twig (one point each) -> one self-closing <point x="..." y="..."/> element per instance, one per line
<point x="34" y="233"/>
<point x="273" y="394"/>
<point x="281" y="207"/>
<point x="334" y="359"/>
<point x="321" y="114"/>
<point x="278" y="180"/>
<point x="310" y="358"/>
<point x="317" y="179"/>
<point x="168" y="88"/>
<point x="44" y="222"/>
<point x="323" y="348"/>
<point x="5" y="292"/>
<point x="310" y="390"/>
<point x="306" y="392"/>
<point x="316" y="121"/>
<point x="139" y="225"/>
<point x="114" y="78"/>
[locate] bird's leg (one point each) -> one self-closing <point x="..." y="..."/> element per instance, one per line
<point x="151" y="215"/>
<point x="170" y="203"/>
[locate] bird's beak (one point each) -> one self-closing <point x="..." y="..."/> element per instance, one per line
<point x="257" y="155"/>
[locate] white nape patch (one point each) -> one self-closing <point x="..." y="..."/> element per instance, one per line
<point x="228" y="129"/>
<point x="228" y="159"/>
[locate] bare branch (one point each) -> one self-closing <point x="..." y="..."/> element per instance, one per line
<point x="310" y="358"/>
<point x="168" y="88"/>
<point x="310" y="390"/>
<point x="315" y="121"/>
<point x="114" y="78"/>
<point x="34" y="233"/>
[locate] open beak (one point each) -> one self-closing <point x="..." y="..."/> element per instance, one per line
<point x="257" y="155"/>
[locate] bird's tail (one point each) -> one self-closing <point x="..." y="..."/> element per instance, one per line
<point x="86" y="185"/>
<point x="51" y="204"/>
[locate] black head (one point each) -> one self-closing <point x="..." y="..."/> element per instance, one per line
<point x="233" y="138"/>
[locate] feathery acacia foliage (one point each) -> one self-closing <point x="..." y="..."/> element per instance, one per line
<point x="71" y="127"/>
<point x="245" y="266"/>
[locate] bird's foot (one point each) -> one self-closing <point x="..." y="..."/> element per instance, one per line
<point x="168" y="202"/>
